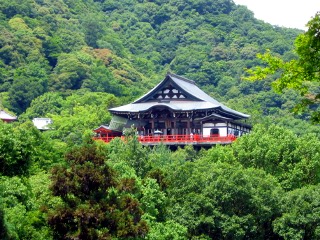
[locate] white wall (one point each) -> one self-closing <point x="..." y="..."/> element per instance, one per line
<point x="221" y="126"/>
<point x="42" y="123"/>
<point x="222" y="131"/>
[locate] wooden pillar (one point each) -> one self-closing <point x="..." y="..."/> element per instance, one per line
<point x="188" y="127"/>
<point x="174" y="119"/>
<point x="152" y="125"/>
<point x="227" y="128"/>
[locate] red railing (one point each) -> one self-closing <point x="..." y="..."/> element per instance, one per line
<point x="178" y="139"/>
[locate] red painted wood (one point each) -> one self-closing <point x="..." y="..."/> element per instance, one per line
<point x="179" y="139"/>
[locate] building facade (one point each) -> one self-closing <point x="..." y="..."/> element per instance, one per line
<point x="177" y="109"/>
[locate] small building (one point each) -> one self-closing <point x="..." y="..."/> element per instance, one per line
<point x="42" y="124"/>
<point x="103" y="132"/>
<point x="6" y="117"/>
<point x="178" y="112"/>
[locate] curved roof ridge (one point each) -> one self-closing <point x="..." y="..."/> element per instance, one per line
<point x="195" y="91"/>
<point x="172" y="77"/>
<point x="181" y="78"/>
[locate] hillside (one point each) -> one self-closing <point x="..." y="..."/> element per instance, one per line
<point x="110" y="46"/>
<point x="125" y="47"/>
<point x="71" y="60"/>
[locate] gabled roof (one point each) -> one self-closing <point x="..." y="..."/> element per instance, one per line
<point x="6" y="116"/>
<point x="181" y="94"/>
<point x="186" y="85"/>
<point x="103" y="128"/>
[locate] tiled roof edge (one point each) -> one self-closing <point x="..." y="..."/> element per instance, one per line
<point x="181" y="78"/>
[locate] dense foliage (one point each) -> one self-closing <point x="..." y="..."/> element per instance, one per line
<point x="55" y="49"/>
<point x="113" y="46"/>
<point x="264" y="186"/>
<point x="96" y="205"/>
<point x="301" y="74"/>
<point x="71" y="60"/>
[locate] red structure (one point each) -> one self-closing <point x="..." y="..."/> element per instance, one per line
<point x="104" y="133"/>
<point x="178" y="139"/>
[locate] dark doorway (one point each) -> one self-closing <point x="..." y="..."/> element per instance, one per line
<point x="214" y="132"/>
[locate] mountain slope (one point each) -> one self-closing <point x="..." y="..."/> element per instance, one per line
<point x="125" y="47"/>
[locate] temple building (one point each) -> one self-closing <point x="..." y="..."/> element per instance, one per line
<point x="178" y="112"/>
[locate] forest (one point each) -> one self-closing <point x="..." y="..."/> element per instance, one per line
<point x="72" y="60"/>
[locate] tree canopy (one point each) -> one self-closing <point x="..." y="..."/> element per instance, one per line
<point x="71" y="60"/>
<point x="300" y="74"/>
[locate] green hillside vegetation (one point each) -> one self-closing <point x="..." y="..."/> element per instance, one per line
<point x="72" y="60"/>
<point x="124" y="48"/>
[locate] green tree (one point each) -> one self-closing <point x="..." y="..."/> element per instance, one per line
<point x="168" y="230"/>
<point x="102" y="80"/>
<point x="29" y="82"/>
<point x="93" y="28"/>
<point x="131" y="151"/>
<point x="301" y="74"/>
<point x="96" y="204"/>
<point x="279" y="152"/>
<point x="149" y="171"/>
<point x="79" y="114"/>
<point x="3" y="226"/>
<point x="222" y="201"/>
<point x="48" y="103"/>
<point x="17" y="150"/>
<point x="71" y="70"/>
<point x="300" y="217"/>
<point x="22" y="214"/>
<point x="16" y="7"/>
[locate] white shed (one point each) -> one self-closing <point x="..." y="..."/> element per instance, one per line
<point x="42" y="123"/>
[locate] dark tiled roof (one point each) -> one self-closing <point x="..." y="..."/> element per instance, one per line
<point x="200" y="100"/>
